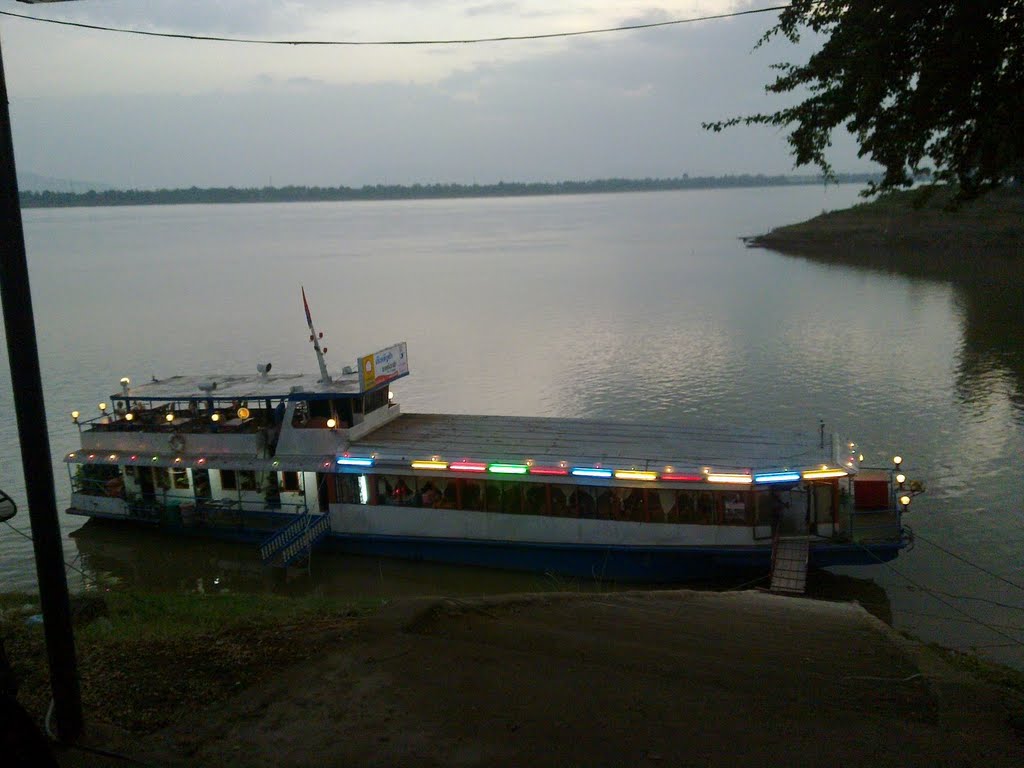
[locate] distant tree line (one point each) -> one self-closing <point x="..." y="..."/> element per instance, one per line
<point x="413" y="191"/>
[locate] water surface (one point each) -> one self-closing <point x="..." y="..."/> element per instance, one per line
<point x="641" y="306"/>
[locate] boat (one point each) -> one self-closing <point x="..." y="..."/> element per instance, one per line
<point x="294" y="462"/>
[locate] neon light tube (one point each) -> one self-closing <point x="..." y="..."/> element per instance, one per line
<point x="549" y="471"/>
<point x="590" y="472"/>
<point x="674" y="478"/>
<point x="632" y="474"/>
<point x="777" y="477"/>
<point x="467" y="466"/>
<point x="508" y="469"/>
<point x="430" y="465"/>
<point x="729" y="478"/>
<point x="824" y="474"/>
<point x="348" y="461"/>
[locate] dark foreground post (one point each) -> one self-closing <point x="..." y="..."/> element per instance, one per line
<point x="35" y="442"/>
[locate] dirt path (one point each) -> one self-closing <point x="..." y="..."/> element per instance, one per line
<point x="660" y="678"/>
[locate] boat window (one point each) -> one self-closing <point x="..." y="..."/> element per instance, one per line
<point x="290" y="481"/>
<point x="375" y="400"/>
<point x="535" y="499"/>
<point x="686" y="508"/>
<point x="584" y="501"/>
<point x="395" y="490"/>
<point x="320" y="409"/>
<point x="428" y="493"/>
<point x="449" y="494"/>
<point x="634" y="505"/>
<point x="705" y="508"/>
<point x="228" y="480"/>
<point x="559" y="495"/>
<point x="162" y="478"/>
<point x="470" y="494"/>
<point x="735" y="510"/>
<point x="511" y="498"/>
<point x="247" y="480"/>
<point x="492" y="496"/>
<point x="91" y="479"/>
<point x="663" y="506"/>
<point x="404" y="490"/>
<point x="348" y="489"/>
<point x="179" y="479"/>
<point x="609" y="505"/>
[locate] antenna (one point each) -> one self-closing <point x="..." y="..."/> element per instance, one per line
<point x="325" y="377"/>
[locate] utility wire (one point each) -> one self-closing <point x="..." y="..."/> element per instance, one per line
<point x="454" y="41"/>
<point x="969" y="562"/>
<point x="1013" y="640"/>
<point x="955" y="596"/>
<point x="66" y="563"/>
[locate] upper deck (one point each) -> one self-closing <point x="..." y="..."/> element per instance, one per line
<point x="581" y="442"/>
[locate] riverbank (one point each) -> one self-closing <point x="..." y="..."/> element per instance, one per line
<point x="670" y="677"/>
<point x="297" y="194"/>
<point x="915" y="232"/>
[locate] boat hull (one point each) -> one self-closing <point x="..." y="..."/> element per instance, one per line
<point x="621" y="563"/>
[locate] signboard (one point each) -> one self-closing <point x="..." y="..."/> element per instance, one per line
<point x="386" y="365"/>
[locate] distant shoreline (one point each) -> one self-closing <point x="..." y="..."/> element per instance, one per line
<point x="915" y="232"/>
<point x="295" y="194"/>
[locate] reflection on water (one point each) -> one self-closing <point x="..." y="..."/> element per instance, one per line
<point x="110" y="554"/>
<point x="991" y="357"/>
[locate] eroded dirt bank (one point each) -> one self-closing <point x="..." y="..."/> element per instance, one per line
<point x="660" y="678"/>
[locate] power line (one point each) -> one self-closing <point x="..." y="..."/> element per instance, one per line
<point x="970" y="562"/>
<point x="453" y="41"/>
<point x="934" y="593"/>
<point x="67" y="564"/>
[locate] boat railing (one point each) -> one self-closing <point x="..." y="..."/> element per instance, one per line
<point x="156" y="420"/>
<point x="864" y="525"/>
<point x="190" y="512"/>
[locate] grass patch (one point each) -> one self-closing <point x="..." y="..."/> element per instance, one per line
<point x="154" y="656"/>
<point x="990" y="672"/>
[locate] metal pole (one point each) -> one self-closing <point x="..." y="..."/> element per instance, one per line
<point x="35" y="443"/>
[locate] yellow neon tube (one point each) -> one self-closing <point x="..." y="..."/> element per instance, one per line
<point x="430" y="465"/>
<point x="632" y="474"/>
<point x="824" y="474"/>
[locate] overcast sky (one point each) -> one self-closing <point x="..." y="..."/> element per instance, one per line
<point x="148" y="112"/>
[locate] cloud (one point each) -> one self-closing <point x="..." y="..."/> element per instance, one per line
<point x="616" y="105"/>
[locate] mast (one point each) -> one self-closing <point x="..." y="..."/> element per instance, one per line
<point x="325" y="377"/>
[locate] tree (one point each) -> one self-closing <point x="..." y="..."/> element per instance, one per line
<point x="936" y="81"/>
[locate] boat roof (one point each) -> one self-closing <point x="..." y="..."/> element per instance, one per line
<point x="245" y="386"/>
<point x="551" y="441"/>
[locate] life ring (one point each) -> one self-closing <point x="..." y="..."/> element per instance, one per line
<point x="177" y="443"/>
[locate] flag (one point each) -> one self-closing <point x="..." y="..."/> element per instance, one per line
<point x="309" y="318"/>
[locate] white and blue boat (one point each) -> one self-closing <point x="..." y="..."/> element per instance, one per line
<point x="293" y="462"/>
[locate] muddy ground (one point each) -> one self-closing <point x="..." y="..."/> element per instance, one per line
<point x="659" y="678"/>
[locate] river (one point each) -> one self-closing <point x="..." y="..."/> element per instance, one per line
<point x="641" y="306"/>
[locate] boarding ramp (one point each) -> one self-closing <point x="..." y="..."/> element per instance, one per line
<point x="296" y="540"/>
<point x="790" y="556"/>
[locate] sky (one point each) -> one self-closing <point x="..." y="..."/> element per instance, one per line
<point x="145" y="112"/>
